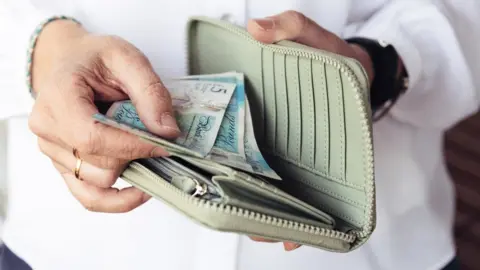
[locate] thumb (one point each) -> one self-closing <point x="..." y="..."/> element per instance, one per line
<point x="146" y="91"/>
<point x="291" y="25"/>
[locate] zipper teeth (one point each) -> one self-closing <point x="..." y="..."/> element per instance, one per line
<point x="340" y="64"/>
<point x="241" y="212"/>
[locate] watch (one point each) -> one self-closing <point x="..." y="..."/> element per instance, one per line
<point x="388" y="84"/>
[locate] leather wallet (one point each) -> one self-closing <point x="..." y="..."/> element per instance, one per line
<point x="312" y="122"/>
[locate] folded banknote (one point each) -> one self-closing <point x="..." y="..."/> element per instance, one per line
<point x="214" y="119"/>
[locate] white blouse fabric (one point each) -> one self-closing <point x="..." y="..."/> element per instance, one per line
<point x="415" y="198"/>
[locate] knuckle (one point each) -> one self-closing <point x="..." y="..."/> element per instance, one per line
<point x="34" y="123"/>
<point x="158" y="91"/>
<point x="122" y="48"/>
<point x="133" y="151"/>
<point x="297" y="19"/>
<point x="112" y="39"/>
<point x="40" y="117"/>
<point x="91" y="203"/>
<point x="110" y="163"/>
<point x="87" y="142"/>
<point x="109" y="179"/>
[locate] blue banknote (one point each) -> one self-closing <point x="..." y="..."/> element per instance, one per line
<point x="230" y="140"/>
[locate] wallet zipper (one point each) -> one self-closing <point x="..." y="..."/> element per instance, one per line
<point x="342" y="66"/>
<point x="196" y="200"/>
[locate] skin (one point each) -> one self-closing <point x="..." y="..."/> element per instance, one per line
<point x="73" y="71"/>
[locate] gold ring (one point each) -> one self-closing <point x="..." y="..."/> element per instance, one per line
<point x="76" y="171"/>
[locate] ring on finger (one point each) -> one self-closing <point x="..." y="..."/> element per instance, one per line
<point x="78" y="165"/>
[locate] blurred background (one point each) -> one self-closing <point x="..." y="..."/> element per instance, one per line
<point x="462" y="152"/>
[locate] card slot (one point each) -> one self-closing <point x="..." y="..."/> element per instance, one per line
<point x="255" y="91"/>
<point x="270" y="101"/>
<point x="322" y="123"/>
<point x="337" y="127"/>
<point x="281" y="145"/>
<point x="295" y="108"/>
<point x="308" y="112"/>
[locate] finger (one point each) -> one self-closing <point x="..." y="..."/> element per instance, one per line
<point x="295" y="26"/>
<point x="53" y="148"/>
<point x="260" y="239"/>
<point x="79" y="130"/>
<point x="109" y="200"/>
<point x="103" y="178"/>
<point x="290" y="246"/>
<point x="147" y="92"/>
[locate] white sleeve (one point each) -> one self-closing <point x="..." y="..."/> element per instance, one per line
<point x="442" y="88"/>
<point x="18" y="20"/>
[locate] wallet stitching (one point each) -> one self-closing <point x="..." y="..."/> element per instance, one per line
<point x="341" y="116"/>
<point x="285" y="96"/>
<point x="326" y="122"/>
<point x="271" y="109"/>
<point x="313" y="170"/>
<point x="282" y="99"/>
<point x="298" y="97"/>
<point x="294" y="96"/>
<point x="308" y="69"/>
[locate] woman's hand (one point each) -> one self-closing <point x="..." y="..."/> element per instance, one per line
<point x="294" y="26"/>
<point x="73" y="70"/>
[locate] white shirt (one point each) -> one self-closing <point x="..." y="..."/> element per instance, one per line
<point x="415" y="200"/>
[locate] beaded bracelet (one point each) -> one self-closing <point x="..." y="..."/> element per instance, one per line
<point x="33" y="42"/>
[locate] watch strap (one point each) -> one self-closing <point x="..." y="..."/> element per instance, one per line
<point x="387" y="85"/>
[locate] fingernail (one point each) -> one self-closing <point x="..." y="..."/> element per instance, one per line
<point x="159" y="152"/>
<point x="169" y="122"/>
<point x="290" y="246"/>
<point x="146" y="197"/>
<point x="265" y="24"/>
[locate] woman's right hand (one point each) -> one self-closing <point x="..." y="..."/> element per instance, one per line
<point x="72" y="70"/>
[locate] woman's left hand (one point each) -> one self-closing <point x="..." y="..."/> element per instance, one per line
<point x="294" y="26"/>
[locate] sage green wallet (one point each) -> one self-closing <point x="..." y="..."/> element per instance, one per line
<point x="312" y="123"/>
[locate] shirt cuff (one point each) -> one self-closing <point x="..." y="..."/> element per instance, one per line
<point x="440" y="89"/>
<point x="390" y="26"/>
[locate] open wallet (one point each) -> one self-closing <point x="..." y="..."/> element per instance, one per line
<point x="312" y="123"/>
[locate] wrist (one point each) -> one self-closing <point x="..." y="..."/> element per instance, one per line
<point x="55" y="39"/>
<point x="365" y="60"/>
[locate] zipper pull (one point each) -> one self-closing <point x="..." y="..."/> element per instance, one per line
<point x="200" y="189"/>
<point x="189" y="185"/>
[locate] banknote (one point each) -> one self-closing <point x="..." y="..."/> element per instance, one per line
<point x="240" y="151"/>
<point x="171" y="147"/>
<point x="199" y="108"/>
<point x="253" y="155"/>
<point x="229" y="144"/>
<point x="246" y="156"/>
